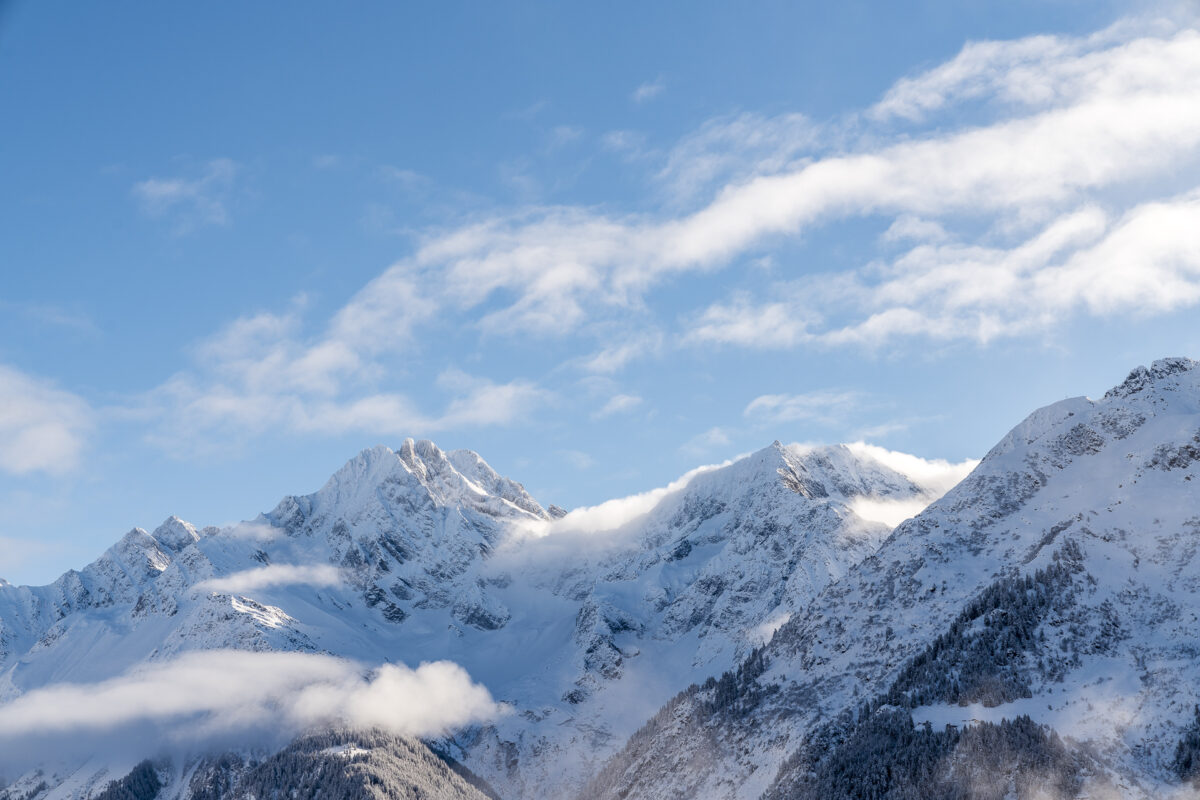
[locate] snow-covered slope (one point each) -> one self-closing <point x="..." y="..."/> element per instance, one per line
<point x="584" y="623"/>
<point x="1059" y="580"/>
<point x="670" y="596"/>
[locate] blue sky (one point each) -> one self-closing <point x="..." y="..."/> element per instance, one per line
<point x="600" y="244"/>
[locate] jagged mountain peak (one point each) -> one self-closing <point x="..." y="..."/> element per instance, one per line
<point x="138" y="549"/>
<point x="461" y="477"/>
<point x="841" y="472"/>
<point x="175" y="534"/>
<point x="1165" y="374"/>
<point x="472" y="466"/>
<point x="1167" y="386"/>
<point x="421" y="456"/>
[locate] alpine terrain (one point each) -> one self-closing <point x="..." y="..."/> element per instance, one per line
<point x="421" y="626"/>
<point x="1033" y="633"/>
<point x="580" y="625"/>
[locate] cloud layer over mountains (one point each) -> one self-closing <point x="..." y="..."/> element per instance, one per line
<point x="222" y="698"/>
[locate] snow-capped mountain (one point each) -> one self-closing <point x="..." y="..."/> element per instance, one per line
<point x="583" y="624"/>
<point x="1056" y="586"/>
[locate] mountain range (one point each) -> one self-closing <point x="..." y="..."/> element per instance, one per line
<point x="760" y="628"/>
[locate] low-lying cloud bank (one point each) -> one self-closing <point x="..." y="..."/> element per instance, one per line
<point x="216" y="699"/>
<point x="612" y="515"/>
<point x="935" y="476"/>
<point x="273" y="575"/>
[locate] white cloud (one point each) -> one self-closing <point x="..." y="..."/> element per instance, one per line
<point x="1113" y="116"/>
<point x="612" y="515"/>
<point x="907" y="227"/>
<point x="887" y="510"/>
<point x="260" y="373"/>
<point x="219" y="696"/>
<point x="618" y="404"/>
<point x="579" y="459"/>
<point x="192" y="412"/>
<point x="934" y="476"/>
<point x="649" y="91"/>
<point x="272" y="575"/>
<point x="703" y="443"/>
<point x="562" y="135"/>
<point x="1034" y="71"/>
<point x="408" y="179"/>
<point x="630" y="144"/>
<point x="49" y="314"/>
<point x="615" y="357"/>
<point x="191" y="202"/>
<point x="253" y="530"/>
<point x="881" y="429"/>
<point x="481" y="402"/>
<point x="1146" y="261"/>
<point x="748" y="324"/>
<point x="821" y="406"/>
<point x="733" y="149"/>
<point x="42" y="427"/>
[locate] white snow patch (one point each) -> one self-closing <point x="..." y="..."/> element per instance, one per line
<point x="1099" y="697"/>
<point x="346" y="751"/>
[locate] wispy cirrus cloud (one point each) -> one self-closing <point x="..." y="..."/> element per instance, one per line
<point x="618" y="404"/>
<point x="732" y="149"/>
<point x="614" y="356"/>
<point x="190" y="202"/>
<point x="819" y="406"/>
<point x="42" y="428"/>
<point x="646" y="92"/>
<point x="702" y="444"/>
<point x="54" y="316"/>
